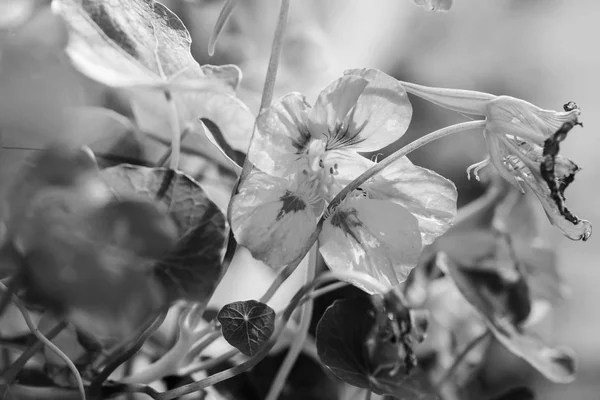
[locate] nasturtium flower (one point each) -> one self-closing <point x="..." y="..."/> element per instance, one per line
<point x="522" y="141"/>
<point x="305" y="155"/>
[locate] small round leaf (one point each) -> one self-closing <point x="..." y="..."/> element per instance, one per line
<point x="247" y="325"/>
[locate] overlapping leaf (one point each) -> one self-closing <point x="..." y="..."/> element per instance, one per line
<point x="497" y="298"/>
<point x="342" y="336"/>
<point x="247" y="325"/>
<point x="78" y="252"/>
<point x="133" y="43"/>
<point x="454" y="324"/>
<point x="194" y="268"/>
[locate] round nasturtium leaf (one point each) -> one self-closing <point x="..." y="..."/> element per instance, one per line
<point x="193" y="269"/>
<point x="342" y="344"/>
<point x="247" y="325"/>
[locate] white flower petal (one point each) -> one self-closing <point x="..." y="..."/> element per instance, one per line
<point x="377" y="237"/>
<point x="333" y="105"/>
<point x="382" y="113"/>
<point x="430" y="197"/>
<point x="281" y="136"/>
<point x="365" y="110"/>
<point x="273" y="222"/>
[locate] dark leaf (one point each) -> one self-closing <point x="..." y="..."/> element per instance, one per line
<point x="556" y="364"/>
<point x="519" y="393"/>
<point x="307" y="380"/>
<point x="98" y="267"/>
<point x="216" y="136"/>
<point x="247" y="325"/>
<point x="490" y="261"/>
<point x="342" y="336"/>
<point x="194" y="268"/>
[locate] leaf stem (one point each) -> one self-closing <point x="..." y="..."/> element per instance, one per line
<point x="127" y="354"/>
<point x="213" y="362"/>
<point x="368" y="394"/>
<point x="13" y="286"/>
<point x="327" y="289"/>
<point x="269" y="88"/>
<point x="271" y="77"/>
<point x="459" y="359"/>
<point x="298" y="341"/>
<point x="38" y="334"/>
<point x="386" y="162"/>
<point x="175" y="130"/>
<point x="224" y="16"/>
<point x="11" y="373"/>
<point x="166" y="157"/>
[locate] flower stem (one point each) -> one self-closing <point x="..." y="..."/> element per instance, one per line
<point x="296" y="345"/>
<point x="271" y="77"/>
<point x="269" y="88"/>
<point x="38" y="334"/>
<point x="440" y="133"/>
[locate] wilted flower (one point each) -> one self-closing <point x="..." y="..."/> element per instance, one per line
<point x="523" y="143"/>
<point x="306" y="155"/>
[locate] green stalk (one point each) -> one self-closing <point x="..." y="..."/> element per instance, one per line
<point x="299" y="338"/>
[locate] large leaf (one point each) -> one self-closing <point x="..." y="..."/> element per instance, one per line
<point x="342" y="344"/>
<point x="494" y="299"/>
<point x="126" y="43"/>
<point x="518" y="393"/>
<point x="81" y="254"/>
<point x="307" y="380"/>
<point x="193" y="270"/>
<point x="247" y="325"/>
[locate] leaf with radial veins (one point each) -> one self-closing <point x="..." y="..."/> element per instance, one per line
<point x="496" y="300"/>
<point x="193" y="270"/>
<point x="133" y="43"/>
<point x="247" y="325"/>
<point x="342" y="344"/>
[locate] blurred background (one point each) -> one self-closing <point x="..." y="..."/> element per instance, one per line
<point x="544" y="51"/>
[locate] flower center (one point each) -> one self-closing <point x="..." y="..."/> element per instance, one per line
<point x="319" y="170"/>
